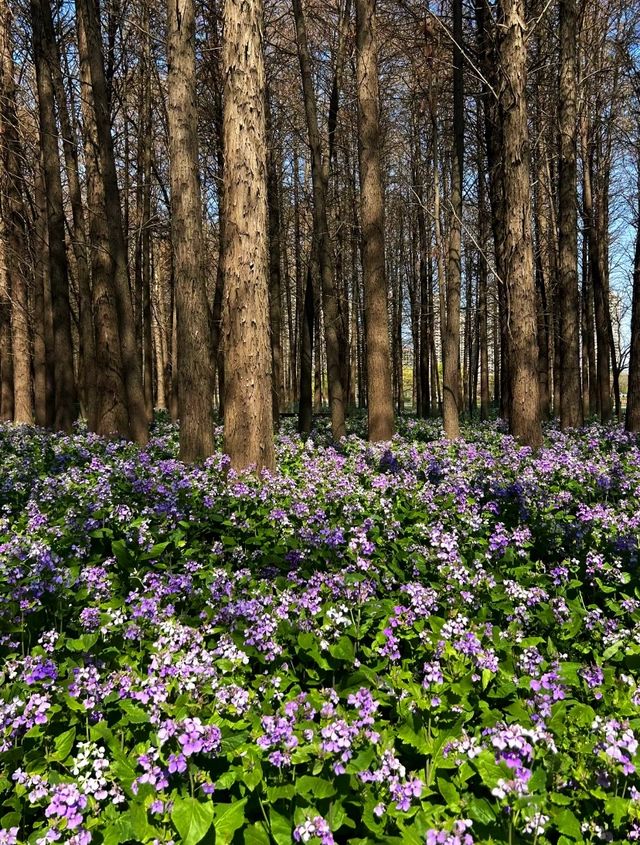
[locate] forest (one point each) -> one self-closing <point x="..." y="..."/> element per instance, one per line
<point x="319" y="422"/>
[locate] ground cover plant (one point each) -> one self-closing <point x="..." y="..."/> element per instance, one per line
<point x="430" y="642"/>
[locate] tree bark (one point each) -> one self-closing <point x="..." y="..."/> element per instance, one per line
<point x="380" y="406"/>
<point x="570" y="399"/>
<point x="248" y="408"/>
<point x="524" y="419"/>
<point x="451" y="344"/>
<point x="275" y="276"/>
<point x="109" y="417"/>
<point x="334" y="337"/>
<point x="13" y="235"/>
<point x="138" y="426"/>
<point x="65" y="384"/>
<point x="195" y="366"/>
<point x="87" y="352"/>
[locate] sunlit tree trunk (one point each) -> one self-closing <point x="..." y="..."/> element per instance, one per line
<point x="570" y="399"/>
<point x="524" y="419"/>
<point x="248" y="407"/>
<point x="380" y="404"/>
<point x="451" y="393"/>
<point x="195" y="367"/>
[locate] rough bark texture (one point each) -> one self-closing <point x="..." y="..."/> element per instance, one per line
<point x="195" y="365"/>
<point x="40" y="280"/>
<point x="570" y="398"/>
<point x="603" y="358"/>
<point x="65" y="385"/>
<point x="275" y="280"/>
<point x="88" y="382"/>
<point x="524" y="419"/>
<point x="305" y="408"/>
<point x="380" y="406"/>
<point x="12" y="230"/>
<point x="334" y="339"/>
<point x="483" y="276"/>
<point x="451" y="341"/>
<point x="109" y="416"/>
<point x="248" y="418"/>
<point x="138" y="426"/>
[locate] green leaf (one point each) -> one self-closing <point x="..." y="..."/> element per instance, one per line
<point x="567" y="823"/>
<point x="63" y="745"/>
<point x="618" y="808"/>
<point x="343" y="650"/>
<point x="118" y="831"/>
<point x="256" y="835"/>
<point x="228" y="819"/>
<point x="318" y="787"/>
<point x="280" y="827"/>
<point x="135" y="714"/>
<point x="480" y="810"/>
<point x="138" y="822"/>
<point x="192" y="819"/>
<point x="448" y="791"/>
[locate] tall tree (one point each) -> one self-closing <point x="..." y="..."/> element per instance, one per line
<point x="195" y="365"/>
<point x="451" y="342"/>
<point x="333" y="330"/>
<point x="517" y="251"/>
<point x="380" y="398"/>
<point x="88" y="18"/>
<point x="248" y="420"/>
<point x="64" y="377"/>
<point x="13" y="234"/>
<point x="568" y="295"/>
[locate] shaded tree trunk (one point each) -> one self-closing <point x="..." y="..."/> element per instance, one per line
<point x="65" y="384"/>
<point x="110" y="415"/>
<point x="16" y="354"/>
<point x="334" y="339"/>
<point x="138" y="426"/>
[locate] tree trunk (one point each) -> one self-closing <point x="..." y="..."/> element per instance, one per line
<point x="13" y="250"/>
<point x="65" y="385"/>
<point x="570" y="399"/>
<point x="248" y="408"/>
<point x="334" y="339"/>
<point x="40" y="281"/>
<point x="87" y="352"/>
<point x="110" y="414"/>
<point x="275" y="277"/>
<point x="305" y="408"/>
<point x="451" y="343"/>
<point x="138" y="426"/>
<point x="483" y="278"/>
<point x="598" y="285"/>
<point x="195" y="367"/>
<point x="380" y="407"/>
<point x="524" y="419"/>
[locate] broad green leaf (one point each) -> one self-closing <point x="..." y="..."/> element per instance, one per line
<point x="228" y="818"/>
<point x="192" y="819"/>
<point x="63" y="744"/>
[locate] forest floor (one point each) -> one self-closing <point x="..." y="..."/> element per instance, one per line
<point x="428" y="643"/>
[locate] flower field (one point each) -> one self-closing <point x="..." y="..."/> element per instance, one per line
<point x="428" y="643"/>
